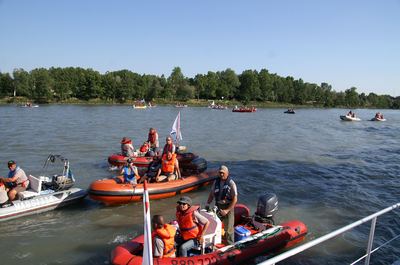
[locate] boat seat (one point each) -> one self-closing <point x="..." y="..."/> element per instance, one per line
<point x="35" y="187"/>
<point x="213" y="235"/>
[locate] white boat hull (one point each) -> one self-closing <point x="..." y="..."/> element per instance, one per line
<point x="349" y="118"/>
<point x="41" y="203"/>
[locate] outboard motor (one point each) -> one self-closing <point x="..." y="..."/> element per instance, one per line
<point x="61" y="182"/>
<point x="267" y="206"/>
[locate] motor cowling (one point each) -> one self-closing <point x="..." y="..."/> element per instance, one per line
<point x="267" y="206"/>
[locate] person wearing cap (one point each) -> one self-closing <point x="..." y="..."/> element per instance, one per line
<point x="163" y="238"/>
<point x="127" y="148"/>
<point x="152" y="139"/>
<point x="192" y="225"/>
<point x="16" y="181"/>
<point x="224" y="192"/>
<point x="130" y="172"/>
<point x="169" y="168"/>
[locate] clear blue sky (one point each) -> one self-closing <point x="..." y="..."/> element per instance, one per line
<point x="344" y="43"/>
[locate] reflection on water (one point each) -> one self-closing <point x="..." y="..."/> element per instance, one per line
<point x="326" y="172"/>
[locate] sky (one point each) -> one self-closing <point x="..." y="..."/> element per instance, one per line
<point x="345" y="43"/>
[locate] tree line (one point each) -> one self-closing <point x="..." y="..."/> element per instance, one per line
<point x="62" y="84"/>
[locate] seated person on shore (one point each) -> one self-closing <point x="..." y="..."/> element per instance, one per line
<point x="127" y="148"/>
<point x="169" y="146"/>
<point x="169" y="168"/>
<point x="163" y="238"/>
<point x="16" y="181"/>
<point x="130" y="172"/>
<point x="154" y="144"/>
<point x="192" y="225"/>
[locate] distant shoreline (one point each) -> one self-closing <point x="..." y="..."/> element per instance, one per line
<point x="164" y="102"/>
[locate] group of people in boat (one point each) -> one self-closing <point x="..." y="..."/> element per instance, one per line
<point x="169" y="169"/>
<point x="15" y="182"/>
<point x="177" y="239"/>
<point x="148" y="148"/>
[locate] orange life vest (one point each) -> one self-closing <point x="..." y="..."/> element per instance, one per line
<point x="167" y="234"/>
<point x="168" y="166"/>
<point x="187" y="226"/>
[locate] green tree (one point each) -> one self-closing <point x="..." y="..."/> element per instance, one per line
<point x="6" y="85"/>
<point x="351" y="97"/>
<point x="42" y="89"/>
<point x="22" y="83"/>
<point x="249" y="86"/>
<point x="175" y="82"/>
<point x="228" y="84"/>
<point x="266" y="81"/>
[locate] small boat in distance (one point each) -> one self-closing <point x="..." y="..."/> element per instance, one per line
<point x="350" y="116"/>
<point x="244" y="109"/>
<point x="290" y="111"/>
<point x="180" y="105"/>
<point x="378" y="117"/>
<point x="29" y="105"/>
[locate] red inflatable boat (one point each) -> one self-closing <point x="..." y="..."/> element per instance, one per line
<point x="115" y="191"/>
<point x="261" y="239"/>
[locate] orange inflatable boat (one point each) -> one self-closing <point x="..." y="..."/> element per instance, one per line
<point x="115" y="191"/>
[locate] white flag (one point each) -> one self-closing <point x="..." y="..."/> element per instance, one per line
<point x="176" y="128"/>
<point x="147" y="248"/>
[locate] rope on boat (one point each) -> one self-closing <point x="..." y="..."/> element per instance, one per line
<point x="252" y="239"/>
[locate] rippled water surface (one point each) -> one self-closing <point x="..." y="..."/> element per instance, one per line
<point x="326" y="172"/>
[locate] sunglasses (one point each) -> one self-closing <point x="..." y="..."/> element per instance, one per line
<point x="182" y="203"/>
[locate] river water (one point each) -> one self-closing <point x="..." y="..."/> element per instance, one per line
<point x="325" y="172"/>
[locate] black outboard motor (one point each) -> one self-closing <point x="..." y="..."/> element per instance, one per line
<point x="267" y="206"/>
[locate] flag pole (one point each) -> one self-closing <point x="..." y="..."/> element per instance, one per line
<point x="147" y="247"/>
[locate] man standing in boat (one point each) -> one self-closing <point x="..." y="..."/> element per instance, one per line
<point x="152" y="139"/>
<point x="225" y="193"/>
<point x="17" y="181"/>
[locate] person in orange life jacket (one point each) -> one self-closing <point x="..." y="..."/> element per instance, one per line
<point x="169" y="146"/>
<point x="192" y="225"/>
<point x="130" y="172"/>
<point x="16" y="181"/>
<point x="154" y="144"/>
<point x="225" y="193"/>
<point x="169" y="168"/>
<point x="163" y="238"/>
<point x="127" y="148"/>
